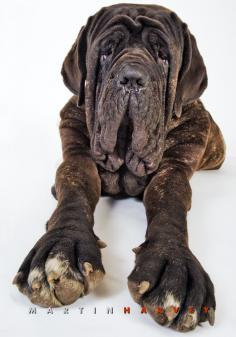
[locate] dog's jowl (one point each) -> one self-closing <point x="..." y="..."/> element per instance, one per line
<point x="135" y="126"/>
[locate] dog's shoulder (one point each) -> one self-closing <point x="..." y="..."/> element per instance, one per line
<point x="72" y="110"/>
<point x="73" y="119"/>
<point x="192" y="113"/>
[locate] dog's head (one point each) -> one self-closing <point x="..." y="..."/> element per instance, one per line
<point x="134" y="67"/>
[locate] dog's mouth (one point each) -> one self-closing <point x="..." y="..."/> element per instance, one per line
<point x="129" y="139"/>
<point x="128" y="126"/>
<point x="127" y="134"/>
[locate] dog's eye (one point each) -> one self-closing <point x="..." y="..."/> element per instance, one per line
<point x="163" y="57"/>
<point x="105" y="54"/>
<point x="159" y="49"/>
<point x="161" y="54"/>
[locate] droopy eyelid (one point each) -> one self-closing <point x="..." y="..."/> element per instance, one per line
<point x="112" y="41"/>
<point x="107" y="49"/>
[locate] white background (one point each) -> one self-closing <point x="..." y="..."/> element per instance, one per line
<point x="34" y="39"/>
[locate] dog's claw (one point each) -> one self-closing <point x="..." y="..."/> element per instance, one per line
<point x="88" y="268"/>
<point x="14" y="281"/>
<point x="36" y="285"/>
<point x="17" y="278"/>
<point x="211" y="316"/>
<point x="188" y="321"/>
<point x="52" y="277"/>
<point x="101" y="244"/>
<point x="143" y="287"/>
<point x="136" y="250"/>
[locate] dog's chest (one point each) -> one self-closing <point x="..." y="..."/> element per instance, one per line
<point x="122" y="182"/>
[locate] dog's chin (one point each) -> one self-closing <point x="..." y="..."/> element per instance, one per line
<point x="144" y="165"/>
<point x="137" y="165"/>
<point x="124" y="153"/>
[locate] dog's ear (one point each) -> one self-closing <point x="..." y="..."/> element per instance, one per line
<point x="192" y="79"/>
<point x="74" y="66"/>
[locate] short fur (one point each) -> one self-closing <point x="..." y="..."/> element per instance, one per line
<point x="135" y="127"/>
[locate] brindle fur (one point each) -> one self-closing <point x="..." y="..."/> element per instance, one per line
<point x="97" y="142"/>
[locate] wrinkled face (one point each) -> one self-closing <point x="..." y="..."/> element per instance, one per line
<point x="134" y="67"/>
<point x="129" y="98"/>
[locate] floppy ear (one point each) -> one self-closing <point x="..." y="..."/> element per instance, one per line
<point x="74" y="66"/>
<point x="192" y="79"/>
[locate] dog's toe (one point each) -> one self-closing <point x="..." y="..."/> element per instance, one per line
<point x="173" y="287"/>
<point x="58" y="271"/>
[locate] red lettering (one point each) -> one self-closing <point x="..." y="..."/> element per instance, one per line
<point x="126" y="310"/>
<point x="206" y="309"/>
<point x="159" y="310"/>
<point x="143" y="310"/>
<point x="176" y="309"/>
<point x="191" y="310"/>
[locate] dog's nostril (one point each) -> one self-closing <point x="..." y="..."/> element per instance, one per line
<point x="132" y="82"/>
<point x="139" y="81"/>
<point x="124" y="80"/>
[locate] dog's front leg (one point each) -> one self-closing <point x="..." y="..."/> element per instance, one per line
<point x="168" y="279"/>
<point x="167" y="275"/>
<point x="66" y="262"/>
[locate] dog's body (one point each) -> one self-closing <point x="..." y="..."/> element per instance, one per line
<point x="135" y="127"/>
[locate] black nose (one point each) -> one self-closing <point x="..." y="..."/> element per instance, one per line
<point x="133" y="77"/>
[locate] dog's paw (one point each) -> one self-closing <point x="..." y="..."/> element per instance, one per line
<point x="61" y="267"/>
<point x="173" y="286"/>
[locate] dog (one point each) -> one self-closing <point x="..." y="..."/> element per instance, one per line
<point x="134" y="127"/>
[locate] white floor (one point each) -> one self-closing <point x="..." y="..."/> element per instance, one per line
<point x="122" y="225"/>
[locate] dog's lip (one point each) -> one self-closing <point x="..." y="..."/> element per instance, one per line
<point x="99" y="155"/>
<point x="113" y="160"/>
<point x="133" y="91"/>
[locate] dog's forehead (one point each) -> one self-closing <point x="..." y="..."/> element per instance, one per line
<point x="134" y="17"/>
<point x="134" y="10"/>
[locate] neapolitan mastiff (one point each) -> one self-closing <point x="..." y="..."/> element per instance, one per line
<point x="135" y="126"/>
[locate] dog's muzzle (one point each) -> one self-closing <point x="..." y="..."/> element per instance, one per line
<point x="128" y="110"/>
